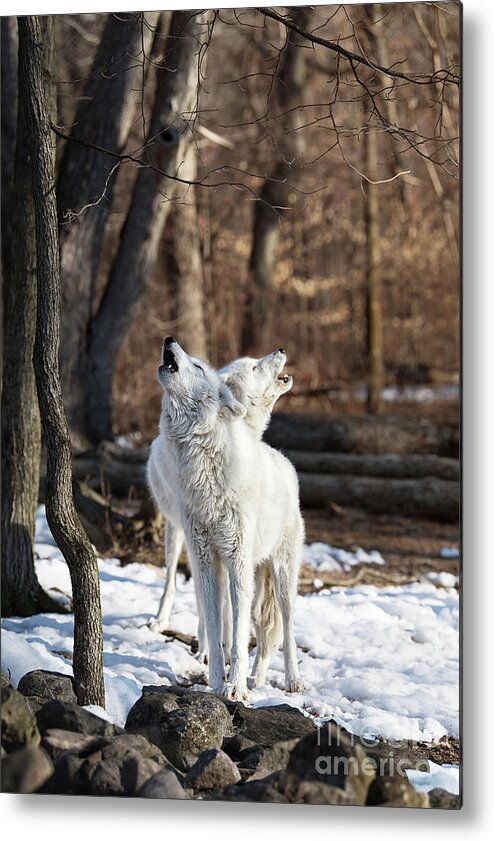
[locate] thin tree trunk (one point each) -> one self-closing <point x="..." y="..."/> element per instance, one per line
<point x="22" y="594"/>
<point x="171" y="133"/>
<point x="185" y="264"/>
<point x="277" y="194"/>
<point x="104" y="117"/>
<point x="61" y="515"/>
<point x="9" y="108"/>
<point x="373" y="279"/>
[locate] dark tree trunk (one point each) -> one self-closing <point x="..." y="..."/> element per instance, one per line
<point x="61" y="515"/>
<point x="9" y="107"/>
<point x="104" y="117"/>
<point x="21" y="439"/>
<point x="373" y="278"/>
<point x="171" y="134"/>
<point x="277" y="194"/>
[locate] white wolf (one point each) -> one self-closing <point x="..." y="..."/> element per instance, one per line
<point x="237" y="501"/>
<point x="257" y="384"/>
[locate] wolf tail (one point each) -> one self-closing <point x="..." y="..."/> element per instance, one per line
<point x="266" y="613"/>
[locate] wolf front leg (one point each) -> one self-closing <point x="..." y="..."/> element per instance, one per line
<point x="174" y="541"/>
<point x="208" y="590"/>
<point x="241" y="592"/>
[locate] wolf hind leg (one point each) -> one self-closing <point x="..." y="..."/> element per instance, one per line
<point x="267" y="620"/>
<point x="284" y="569"/>
<point x="174" y="541"/>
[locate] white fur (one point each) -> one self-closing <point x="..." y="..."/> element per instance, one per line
<point x="257" y="384"/>
<point x="237" y="502"/>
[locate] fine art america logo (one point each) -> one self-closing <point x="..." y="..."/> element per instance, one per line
<point x="342" y="753"/>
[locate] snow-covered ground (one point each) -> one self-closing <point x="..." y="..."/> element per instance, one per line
<point x="380" y="661"/>
<point x="325" y="558"/>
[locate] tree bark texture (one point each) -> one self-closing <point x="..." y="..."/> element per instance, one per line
<point x="61" y="515"/>
<point x="85" y="187"/>
<point x="9" y="107"/>
<point x="184" y="265"/>
<point x="373" y="279"/>
<point x="429" y="498"/>
<point x="379" y="434"/>
<point x="374" y="317"/>
<point x="278" y="193"/>
<point x="22" y="594"/>
<point x="170" y="135"/>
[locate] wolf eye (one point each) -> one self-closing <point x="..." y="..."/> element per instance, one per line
<point x="200" y="369"/>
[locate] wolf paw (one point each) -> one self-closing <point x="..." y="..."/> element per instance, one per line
<point x="295" y="685"/>
<point x="202" y="657"/>
<point x="235" y="692"/>
<point x="157" y="625"/>
<point x="255" y="681"/>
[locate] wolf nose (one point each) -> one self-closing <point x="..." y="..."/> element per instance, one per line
<point x="169" y="341"/>
<point x="281" y="350"/>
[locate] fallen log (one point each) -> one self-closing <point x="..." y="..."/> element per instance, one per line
<point x="365" y="434"/>
<point x="112" y="470"/>
<point x="389" y="465"/>
<point x="428" y="498"/>
<point x="107" y="473"/>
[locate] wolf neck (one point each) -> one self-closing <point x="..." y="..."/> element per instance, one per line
<point x="203" y="455"/>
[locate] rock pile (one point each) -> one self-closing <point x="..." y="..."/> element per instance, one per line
<point x="182" y="744"/>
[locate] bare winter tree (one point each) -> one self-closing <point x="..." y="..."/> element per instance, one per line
<point x="170" y="135"/>
<point x="374" y="307"/>
<point x="161" y="160"/>
<point x="184" y="266"/>
<point x="21" y="436"/>
<point x="60" y="511"/>
<point x="278" y="194"/>
<point x="85" y="187"/>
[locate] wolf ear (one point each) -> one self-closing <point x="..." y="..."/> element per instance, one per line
<point x="230" y="409"/>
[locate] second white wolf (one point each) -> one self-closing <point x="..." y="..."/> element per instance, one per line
<point x="237" y="502"/>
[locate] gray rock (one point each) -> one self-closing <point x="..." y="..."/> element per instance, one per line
<point x="150" y="709"/>
<point x="329" y="757"/>
<point x="213" y="770"/>
<point x="42" y="686"/>
<point x="266" y="790"/>
<point x="66" y="769"/>
<point x="390" y="756"/>
<point x="439" y="798"/>
<point x="396" y="792"/>
<point x="19" y="727"/>
<point x="65" y="715"/>
<point x="55" y="742"/>
<point x="198" y="721"/>
<point x="259" y="761"/>
<point x="165" y="785"/>
<point x="26" y="770"/>
<point x="268" y="725"/>
<point x="118" y="768"/>
<point x="235" y="745"/>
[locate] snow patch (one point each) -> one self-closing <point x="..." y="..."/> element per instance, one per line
<point x="325" y="558"/>
<point x="438" y="776"/>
